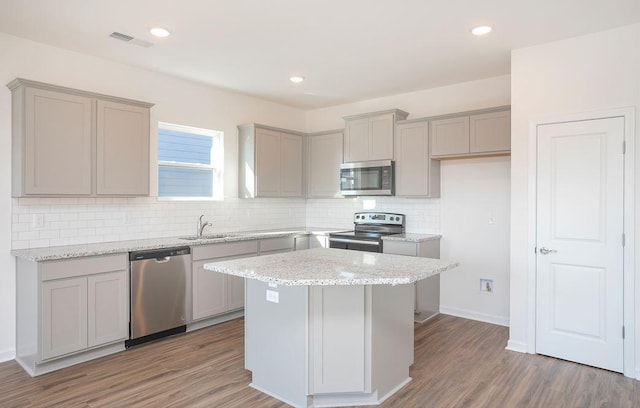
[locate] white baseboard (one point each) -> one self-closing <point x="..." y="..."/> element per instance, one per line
<point x="6" y="355"/>
<point x="469" y="314"/>
<point x="518" y="346"/>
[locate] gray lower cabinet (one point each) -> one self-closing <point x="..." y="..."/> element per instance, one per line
<point x="277" y="245"/>
<point x="427" y="291"/>
<point x="68" y="142"/>
<point x="318" y="241"/>
<point x="68" y="307"/>
<point x="334" y="342"/>
<point x="417" y="175"/>
<point x="483" y="133"/>
<point x="216" y="293"/>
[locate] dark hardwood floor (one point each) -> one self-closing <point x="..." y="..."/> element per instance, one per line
<point x="458" y="363"/>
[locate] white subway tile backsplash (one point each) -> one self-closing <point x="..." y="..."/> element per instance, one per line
<point x="70" y="221"/>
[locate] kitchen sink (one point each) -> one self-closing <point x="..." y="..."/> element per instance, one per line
<point x="207" y="236"/>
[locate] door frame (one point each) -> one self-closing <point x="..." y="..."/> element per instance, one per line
<point x="629" y="278"/>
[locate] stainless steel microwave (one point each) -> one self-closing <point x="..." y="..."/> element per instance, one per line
<point x="367" y="178"/>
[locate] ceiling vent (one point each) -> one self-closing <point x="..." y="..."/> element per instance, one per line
<point x="130" y="39"/>
<point x="120" y="36"/>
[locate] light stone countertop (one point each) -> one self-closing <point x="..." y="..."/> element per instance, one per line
<point x="116" y="247"/>
<point x="323" y="266"/>
<point x="411" y="237"/>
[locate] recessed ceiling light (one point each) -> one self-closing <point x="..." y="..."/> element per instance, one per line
<point x="159" y="32"/>
<point x="481" y="30"/>
<point x="296" y="79"/>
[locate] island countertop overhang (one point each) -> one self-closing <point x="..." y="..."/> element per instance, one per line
<point x="324" y="266"/>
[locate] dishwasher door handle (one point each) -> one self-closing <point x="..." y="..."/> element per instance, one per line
<point x="163" y="260"/>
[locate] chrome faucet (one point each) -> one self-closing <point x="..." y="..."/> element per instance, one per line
<point x="201" y="225"/>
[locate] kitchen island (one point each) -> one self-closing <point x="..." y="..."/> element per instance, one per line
<point x="330" y="327"/>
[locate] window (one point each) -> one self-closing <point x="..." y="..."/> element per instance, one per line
<point x="190" y="162"/>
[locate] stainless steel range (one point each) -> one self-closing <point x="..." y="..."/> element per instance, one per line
<point x="369" y="228"/>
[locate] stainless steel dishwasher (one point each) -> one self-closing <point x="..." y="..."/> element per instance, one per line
<point x="158" y="294"/>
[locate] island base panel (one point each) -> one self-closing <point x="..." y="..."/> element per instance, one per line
<point x="296" y="347"/>
<point x="276" y="340"/>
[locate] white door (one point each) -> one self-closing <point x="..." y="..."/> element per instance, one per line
<point x="579" y="288"/>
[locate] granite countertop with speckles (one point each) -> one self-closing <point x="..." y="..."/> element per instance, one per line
<point x="411" y="237"/>
<point x="116" y="247"/>
<point x="324" y="266"/>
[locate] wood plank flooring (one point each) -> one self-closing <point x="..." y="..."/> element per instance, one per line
<point x="458" y="363"/>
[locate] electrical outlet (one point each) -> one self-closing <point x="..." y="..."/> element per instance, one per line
<point x="273" y="296"/>
<point x="37" y="221"/>
<point x="127" y="218"/>
<point x="486" y="285"/>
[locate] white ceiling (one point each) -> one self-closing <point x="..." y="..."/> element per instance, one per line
<point x="348" y="50"/>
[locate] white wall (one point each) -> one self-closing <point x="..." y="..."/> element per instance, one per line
<point x="484" y="93"/>
<point x="89" y="220"/>
<point x="471" y="189"/>
<point x="475" y="223"/>
<point x="589" y="73"/>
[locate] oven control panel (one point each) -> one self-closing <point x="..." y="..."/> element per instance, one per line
<point x="378" y="218"/>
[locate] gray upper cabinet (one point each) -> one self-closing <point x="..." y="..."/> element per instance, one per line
<point x="370" y="136"/>
<point x="270" y="162"/>
<point x="122" y="149"/>
<point x="475" y="134"/>
<point x="490" y="132"/>
<point x="74" y="143"/>
<point x="290" y="165"/>
<point x="52" y="143"/>
<point x="324" y="156"/>
<point x="450" y="136"/>
<point x="417" y="175"/>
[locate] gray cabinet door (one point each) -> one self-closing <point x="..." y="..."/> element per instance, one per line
<point x="291" y="165"/>
<point x="450" y="136"/>
<point x="64" y="317"/>
<point x="122" y="166"/>
<point x="268" y="163"/>
<point x="57" y="143"/>
<point x="356" y="140"/>
<point x="381" y="137"/>
<point x="235" y="292"/>
<point x="338" y="338"/>
<point x="108" y="314"/>
<point x="325" y="157"/>
<point x="416" y="173"/>
<point x="209" y="291"/>
<point x="490" y="132"/>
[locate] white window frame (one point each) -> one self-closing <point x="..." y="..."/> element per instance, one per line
<point x="217" y="161"/>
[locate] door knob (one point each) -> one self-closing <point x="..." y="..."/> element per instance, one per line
<point x="545" y="251"/>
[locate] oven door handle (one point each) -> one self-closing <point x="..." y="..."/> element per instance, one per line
<point x="354" y="241"/>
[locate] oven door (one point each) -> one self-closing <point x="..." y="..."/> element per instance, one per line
<point x="355" y="244"/>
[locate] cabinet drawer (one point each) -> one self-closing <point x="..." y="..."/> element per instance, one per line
<point x="68" y="268"/>
<point x="400" y="248"/>
<point x="224" y="250"/>
<point x="276" y="244"/>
